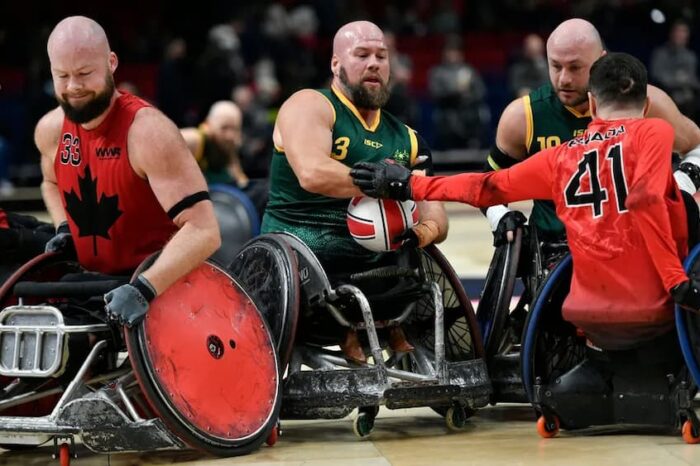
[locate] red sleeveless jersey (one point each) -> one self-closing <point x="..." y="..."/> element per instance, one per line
<point x="114" y="217"/>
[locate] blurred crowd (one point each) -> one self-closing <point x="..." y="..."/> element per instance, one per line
<point x="455" y="63"/>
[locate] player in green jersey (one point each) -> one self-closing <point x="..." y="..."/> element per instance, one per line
<point x="318" y="136"/>
<point x="558" y="112"/>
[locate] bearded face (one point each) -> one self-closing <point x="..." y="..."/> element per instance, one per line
<point x="89" y="105"/>
<point x="370" y="92"/>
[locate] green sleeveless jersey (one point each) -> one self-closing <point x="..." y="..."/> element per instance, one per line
<point x="549" y="123"/>
<point x="320" y="221"/>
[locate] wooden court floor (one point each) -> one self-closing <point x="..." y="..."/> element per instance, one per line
<point x="496" y="435"/>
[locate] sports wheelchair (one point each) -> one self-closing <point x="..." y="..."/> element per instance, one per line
<point x="193" y="373"/>
<point x="500" y="319"/>
<point x="573" y="386"/>
<point x="310" y="312"/>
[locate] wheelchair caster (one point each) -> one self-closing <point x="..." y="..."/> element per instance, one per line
<point x="64" y="454"/>
<point x="274" y="435"/>
<point x="690" y="433"/>
<point x="548" y="429"/>
<point x="363" y="423"/>
<point x="456" y="418"/>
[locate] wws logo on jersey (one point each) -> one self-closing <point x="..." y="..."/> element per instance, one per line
<point x="70" y="150"/>
<point x="108" y="152"/>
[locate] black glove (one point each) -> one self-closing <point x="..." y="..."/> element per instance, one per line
<point x="128" y="304"/>
<point x="62" y="240"/>
<point x="509" y="222"/>
<point x="687" y="295"/>
<point x="382" y="180"/>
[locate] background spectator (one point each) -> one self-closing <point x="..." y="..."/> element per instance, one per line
<point x="458" y="92"/>
<point x="529" y="71"/>
<point x="674" y="68"/>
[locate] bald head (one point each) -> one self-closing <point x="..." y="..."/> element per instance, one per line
<point x="224" y="124"/>
<point x="78" y="33"/>
<point x="224" y="110"/>
<point x="575" y="34"/>
<point x="351" y="34"/>
<point x="571" y="50"/>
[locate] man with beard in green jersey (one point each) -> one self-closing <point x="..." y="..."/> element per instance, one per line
<point x="320" y="134"/>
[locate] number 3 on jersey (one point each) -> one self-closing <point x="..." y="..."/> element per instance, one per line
<point x="597" y="195"/>
<point x="340" y="149"/>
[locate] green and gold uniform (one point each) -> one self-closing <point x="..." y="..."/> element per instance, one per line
<point x="318" y="220"/>
<point x="549" y="123"/>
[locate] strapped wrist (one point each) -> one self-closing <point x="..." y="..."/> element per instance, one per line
<point x="63" y="227"/>
<point x="145" y="287"/>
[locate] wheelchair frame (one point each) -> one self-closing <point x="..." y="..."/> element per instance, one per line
<point x="338" y="385"/>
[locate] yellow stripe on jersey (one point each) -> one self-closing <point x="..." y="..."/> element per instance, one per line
<point x="331" y="104"/>
<point x="578" y="114"/>
<point x="493" y="163"/>
<point x="414" y="146"/>
<point x="529" y="122"/>
<point x="199" y="153"/>
<point x="355" y="112"/>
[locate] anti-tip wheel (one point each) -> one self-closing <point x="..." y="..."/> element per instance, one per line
<point x="363" y="424"/>
<point x="456" y="418"/>
<point x="690" y="433"/>
<point x="548" y="429"/>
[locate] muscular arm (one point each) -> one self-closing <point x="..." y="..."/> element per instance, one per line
<point x="158" y="153"/>
<point x="646" y="199"/>
<point x="511" y="134"/>
<point x="47" y="135"/>
<point x="530" y="179"/>
<point x="304" y="130"/>
<point x="687" y="133"/>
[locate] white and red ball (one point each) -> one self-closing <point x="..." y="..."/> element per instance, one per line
<point x="373" y="223"/>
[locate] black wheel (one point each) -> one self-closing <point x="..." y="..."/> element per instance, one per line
<point x="550" y="346"/>
<point x="267" y="269"/>
<point x="493" y="310"/>
<point x="363" y="424"/>
<point x="456" y="417"/>
<point x="462" y="337"/>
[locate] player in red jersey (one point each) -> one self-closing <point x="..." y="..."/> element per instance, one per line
<point x="118" y="179"/>
<point x="614" y="191"/>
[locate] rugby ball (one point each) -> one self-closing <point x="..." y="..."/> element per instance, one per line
<point x="373" y="223"/>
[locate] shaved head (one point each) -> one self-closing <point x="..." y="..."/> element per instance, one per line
<point x="352" y="33"/>
<point x="224" y="109"/>
<point x="78" y="33"/>
<point x="575" y="34"/>
<point x="571" y="50"/>
<point x="82" y="67"/>
<point x="224" y="124"/>
<point x="360" y="64"/>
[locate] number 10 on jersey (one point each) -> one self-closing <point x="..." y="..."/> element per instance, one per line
<point x="598" y="195"/>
